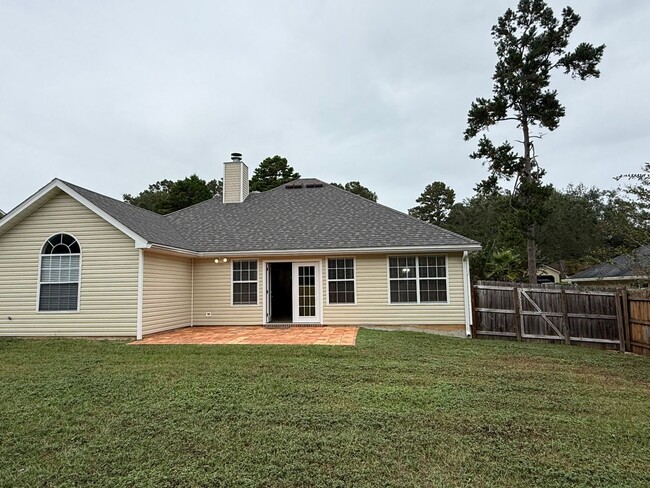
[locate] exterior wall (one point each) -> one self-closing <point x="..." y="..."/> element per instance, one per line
<point x="373" y="307"/>
<point x="212" y="294"/>
<point x="109" y="275"/>
<point x="167" y="292"/>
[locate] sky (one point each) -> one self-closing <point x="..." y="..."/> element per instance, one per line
<point x="113" y="96"/>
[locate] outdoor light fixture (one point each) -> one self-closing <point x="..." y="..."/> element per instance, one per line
<point x="224" y="260"/>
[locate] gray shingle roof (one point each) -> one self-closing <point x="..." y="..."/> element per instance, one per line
<point x="150" y="225"/>
<point x="636" y="263"/>
<point x="314" y="216"/>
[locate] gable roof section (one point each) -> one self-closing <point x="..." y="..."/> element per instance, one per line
<point x="625" y="266"/>
<point x="311" y="215"/>
<point x="138" y="224"/>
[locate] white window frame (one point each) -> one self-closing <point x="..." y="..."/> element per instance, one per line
<point x="417" y="278"/>
<point x="39" y="282"/>
<point x="232" y="283"/>
<point x="354" y="280"/>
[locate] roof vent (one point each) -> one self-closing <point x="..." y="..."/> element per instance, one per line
<point x="236" y="156"/>
<point x="292" y="186"/>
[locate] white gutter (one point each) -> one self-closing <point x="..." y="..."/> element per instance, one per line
<point x="467" y="286"/>
<point x="315" y="252"/>
<point x="140" y="291"/>
<point x="607" y="278"/>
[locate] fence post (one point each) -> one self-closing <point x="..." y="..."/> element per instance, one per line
<point x="475" y="313"/>
<point x="565" y="316"/>
<point x="619" y="318"/>
<point x="626" y="320"/>
<point x="517" y="297"/>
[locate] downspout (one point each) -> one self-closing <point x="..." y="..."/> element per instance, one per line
<point x="140" y="291"/>
<point x="192" y="298"/>
<point x="467" y="285"/>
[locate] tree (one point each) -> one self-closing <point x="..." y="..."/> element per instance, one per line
<point x="271" y="173"/>
<point x="637" y="198"/>
<point x="530" y="44"/>
<point x="167" y="196"/>
<point x="435" y="203"/>
<point x="503" y="265"/>
<point x="358" y="189"/>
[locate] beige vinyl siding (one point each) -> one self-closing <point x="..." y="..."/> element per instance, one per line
<point x="372" y="304"/>
<point x="167" y="292"/>
<point x="109" y="274"/>
<point x="213" y="294"/>
<point x="233" y="182"/>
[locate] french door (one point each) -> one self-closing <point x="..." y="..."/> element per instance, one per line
<point x="306" y="292"/>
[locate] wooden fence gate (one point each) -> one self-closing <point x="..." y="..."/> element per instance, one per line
<point x="638" y="317"/>
<point x="557" y="313"/>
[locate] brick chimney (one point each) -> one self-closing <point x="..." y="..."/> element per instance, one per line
<point x="235" y="180"/>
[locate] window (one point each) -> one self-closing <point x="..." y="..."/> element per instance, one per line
<point x="340" y="280"/>
<point x="59" y="278"/>
<point x="418" y="279"/>
<point x="244" y="283"/>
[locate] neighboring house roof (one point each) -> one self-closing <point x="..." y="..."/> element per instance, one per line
<point x="305" y="215"/>
<point x="626" y="266"/>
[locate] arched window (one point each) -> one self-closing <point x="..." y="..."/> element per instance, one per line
<point x="59" y="280"/>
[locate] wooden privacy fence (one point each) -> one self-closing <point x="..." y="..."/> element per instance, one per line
<point x="610" y="318"/>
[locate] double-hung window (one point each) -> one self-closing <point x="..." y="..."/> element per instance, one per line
<point x="340" y="280"/>
<point x="244" y="283"/>
<point x="417" y="279"/>
<point x="59" y="280"/>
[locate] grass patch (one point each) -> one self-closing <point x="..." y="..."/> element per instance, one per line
<point x="400" y="409"/>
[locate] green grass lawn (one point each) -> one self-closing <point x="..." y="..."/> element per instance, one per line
<point x="400" y="409"/>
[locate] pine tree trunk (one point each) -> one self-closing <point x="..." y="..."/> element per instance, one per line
<point x="531" y="247"/>
<point x="532" y="259"/>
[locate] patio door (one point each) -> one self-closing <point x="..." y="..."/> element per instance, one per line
<point x="306" y="292"/>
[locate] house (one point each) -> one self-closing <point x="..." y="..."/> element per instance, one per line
<point x="550" y="273"/>
<point x="77" y="263"/>
<point x="631" y="269"/>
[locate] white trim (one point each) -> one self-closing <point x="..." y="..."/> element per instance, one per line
<point x="140" y="242"/>
<point x="327" y="280"/>
<point x="140" y="293"/>
<point x="417" y="278"/>
<point x="39" y="283"/>
<point x="467" y="286"/>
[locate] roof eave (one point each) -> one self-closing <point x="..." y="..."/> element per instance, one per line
<point x="608" y="278"/>
<point x="314" y="252"/>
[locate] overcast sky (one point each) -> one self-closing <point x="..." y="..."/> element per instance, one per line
<point x="115" y="95"/>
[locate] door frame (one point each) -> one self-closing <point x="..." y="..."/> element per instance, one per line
<point x="318" y="263"/>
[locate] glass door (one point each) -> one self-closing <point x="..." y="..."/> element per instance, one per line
<point x="306" y="292"/>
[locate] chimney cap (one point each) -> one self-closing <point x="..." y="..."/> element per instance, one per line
<point x="236" y="156"/>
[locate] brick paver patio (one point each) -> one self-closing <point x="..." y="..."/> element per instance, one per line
<point x="323" y="336"/>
